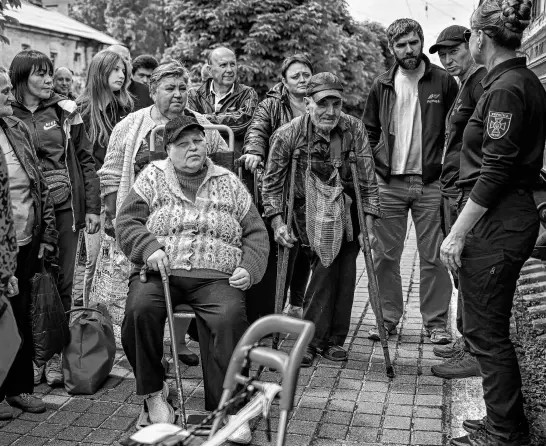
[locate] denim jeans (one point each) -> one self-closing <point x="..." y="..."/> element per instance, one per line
<point x="402" y="194"/>
<point x="92" y="249"/>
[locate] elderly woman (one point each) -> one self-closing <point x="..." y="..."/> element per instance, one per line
<point x="127" y="154"/>
<point x="284" y="102"/>
<point x="195" y="221"/>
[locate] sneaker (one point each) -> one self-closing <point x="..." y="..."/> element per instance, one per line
<point x="54" y="371"/>
<point x="294" y="311"/>
<point x="460" y="367"/>
<point x="38" y="373"/>
<point x="439" y="336"/>
<point x="373" y="334"/>
<point x="242" y="435"/>
<point x="450" y="350"/>
<point x="27" y="403"/>
<point x="484" y="437"/>
<point x="5" y="411"/>
<point x="159" y="410"/>
<point x="472" y="425"/>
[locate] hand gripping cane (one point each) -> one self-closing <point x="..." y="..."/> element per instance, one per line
<point x="284" y="252"/>
<point x="373" y="288"/>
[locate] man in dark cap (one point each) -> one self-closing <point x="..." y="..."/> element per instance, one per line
<point x="405" y="118"/>
<point x="324" y="136"/>
<point x="455" y="56"/>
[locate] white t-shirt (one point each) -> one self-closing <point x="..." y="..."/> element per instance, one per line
<point x="406" y="122"/>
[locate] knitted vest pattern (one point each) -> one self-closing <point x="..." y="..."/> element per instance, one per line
<point x="203" y="235"/>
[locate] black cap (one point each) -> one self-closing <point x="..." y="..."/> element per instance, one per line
<point x="451" y="36"/>
<point x="324" y="84"/>
<point x="174" y="127"/>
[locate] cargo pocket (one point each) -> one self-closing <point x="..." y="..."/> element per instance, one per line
<point x="479" y="276"/>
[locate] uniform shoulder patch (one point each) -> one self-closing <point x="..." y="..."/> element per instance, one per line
<point x="498" y="124"/>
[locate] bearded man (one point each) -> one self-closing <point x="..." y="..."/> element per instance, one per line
<point x="405" y="117"/>
<point x="326" y="140"/>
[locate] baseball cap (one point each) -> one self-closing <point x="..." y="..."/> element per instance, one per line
<point x="451" y="36"/>
<point x="324" y="84"/>
<point x="174" y="127"/>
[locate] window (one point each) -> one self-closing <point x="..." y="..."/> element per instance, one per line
<point x="77" y="57"/>
<point x="53" y="57"/>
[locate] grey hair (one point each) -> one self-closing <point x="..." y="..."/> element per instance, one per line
<point x="503" y="21"/>
<point x="401" y="27"/>
<point x="165" y="70"/>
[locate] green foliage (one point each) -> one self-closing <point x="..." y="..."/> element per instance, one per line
<point x="7" y="19"/>
<point x="263" y="32"/>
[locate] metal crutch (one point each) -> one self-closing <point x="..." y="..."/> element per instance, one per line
<point x="284" y="252"/>
<point x="373" y="288"/>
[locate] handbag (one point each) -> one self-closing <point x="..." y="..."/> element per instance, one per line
<point x="9" y="334"/>
<point x="47" y="316"/>
<point x="89" y="356"/>
<point x="58" y="182"/>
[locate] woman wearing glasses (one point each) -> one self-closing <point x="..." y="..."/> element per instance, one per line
<point x="498" y="223"/>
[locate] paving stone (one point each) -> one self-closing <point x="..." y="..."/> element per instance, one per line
<point x="104" y="407"/>
<point x="349" y="384"/>
<point x="298" y="440"/>
<point x="430" y="380"/>
<point x="338" y="417"/>
<point x="398" y="422"/>
<point x="59" y="442"/>
<point x="433" y="401"/>
<point x="369" y="407"/>
<point x="427" y="438"/>
<point x="317" y="392"/>
<point x="63" y="418"/>
<point x="302" y="427"/>
<point x="333" y="431"/>
<point x="313" y="402"/>
<point x="20" y="426"/>
<point x="47" y="430"/>
<point x="7" y="438"/>
<point x="427" y="424"/>
<point x="116" y="395"/>
<point x="400" y="410"/>
<point x="307" y="414"/>
<point x="92" y="420"/>
<point x="366" y="420"/>
<point x="322" y="382"/>
<point x="341" y="405"/>
<point x="74" y="433"/>
<point x="118" y="422"/>
<point x="328" y="442"/>
<point x="130" y="410"/>
<point x="395" y="437"/>
<point x="428" y="412"/>
<point x="102" y="436"/>
<point x="36" y="417"/>
<point x="362" y="435"/>
<point x="403" y="399"/>
<point x="31" y="440"/>
<point x="78" y="405"/>
<point x="349" y="395"/>
<point x="371" y="397"/>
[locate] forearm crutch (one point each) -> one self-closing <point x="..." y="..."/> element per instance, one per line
<point x="284" y="252"/>
<point x="174" y="346"/>
<point x="373" y="288"/>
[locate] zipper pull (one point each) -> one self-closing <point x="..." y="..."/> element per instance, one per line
<point x="492" y="272"/>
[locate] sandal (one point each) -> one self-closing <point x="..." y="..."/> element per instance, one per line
<point x="308" y="357"/>
<point x="335" y="353"/>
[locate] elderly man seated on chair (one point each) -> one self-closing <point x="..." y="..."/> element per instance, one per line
<point x="194" y="221"/>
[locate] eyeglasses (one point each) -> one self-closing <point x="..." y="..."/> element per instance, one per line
<point x="466" y="35"/>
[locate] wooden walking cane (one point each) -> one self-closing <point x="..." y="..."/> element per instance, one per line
<point x="373" y="288"/>
<point x="284" y="252"/>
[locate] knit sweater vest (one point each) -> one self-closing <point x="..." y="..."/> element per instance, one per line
<point x="205" y="234"/>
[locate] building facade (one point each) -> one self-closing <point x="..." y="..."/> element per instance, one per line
<point x="534" y="42"/>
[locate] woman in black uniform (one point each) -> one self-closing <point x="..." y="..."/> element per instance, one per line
<point x="498" y="222"/>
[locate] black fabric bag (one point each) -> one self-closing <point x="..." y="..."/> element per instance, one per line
<point x="49" y="322"/>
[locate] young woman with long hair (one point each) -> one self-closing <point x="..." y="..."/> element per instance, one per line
<point x="103" y="103"/>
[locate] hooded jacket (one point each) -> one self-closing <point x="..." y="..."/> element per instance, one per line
<point x="19" y="138"/>
<point x="272" y="113"/>
<point x="437" y="91"/>
<point x="62" y="112"/>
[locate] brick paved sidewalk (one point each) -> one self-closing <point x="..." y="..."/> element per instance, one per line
<point x="349" y="403"/>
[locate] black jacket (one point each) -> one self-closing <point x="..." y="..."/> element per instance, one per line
<point x="503" y="143"/>
<point x="141" y="95"/>
<point x="85" y="197"/>
<point x="18" y="136"/>
<point x="437" y="91"/>
<point x="467" y="99"/>
<point x="272" y="113"/>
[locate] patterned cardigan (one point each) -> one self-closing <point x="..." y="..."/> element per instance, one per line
<point x="117" y="174"/>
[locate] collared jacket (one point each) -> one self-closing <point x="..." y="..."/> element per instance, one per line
<point x="503" y="142"/>
<point x="19" y="137"/>
<point x="236" y="112"/>
<point x="272" y="113"/>
<point x="293" y="136"/>
<point x="85" y="196"/>
<point x="457" y="119"/>
<point x="8" y="236"/>
<point x="437" y="91"/>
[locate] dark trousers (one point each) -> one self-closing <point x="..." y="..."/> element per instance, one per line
<point x="68" y="244"/>
<point x="20" y="378"/>
<point x="260" y="298"/>
<point x="494" y="253"/>
<point x="221" y="321"/>
<point x="329" y="296"/>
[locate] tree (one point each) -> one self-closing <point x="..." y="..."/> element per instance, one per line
<point x="263" y="32"/>
<point x="7" y="19"/>
<point x="92" y="13"/>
